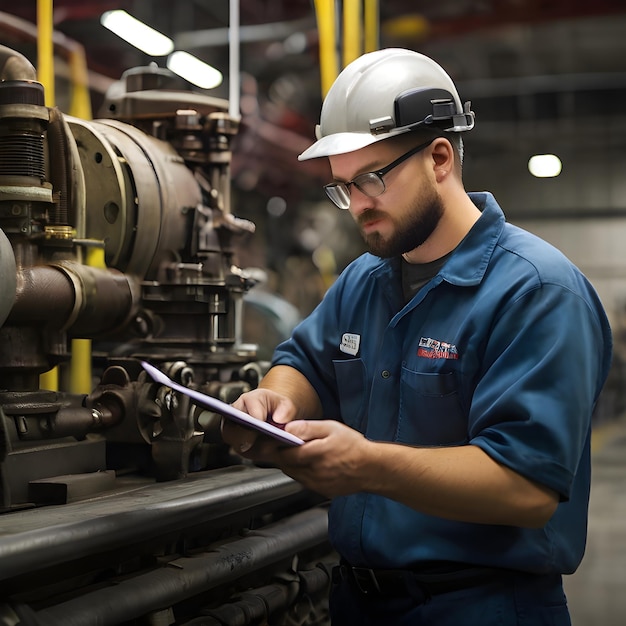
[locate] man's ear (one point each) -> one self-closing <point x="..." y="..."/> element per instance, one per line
<point x="444" y="158"/>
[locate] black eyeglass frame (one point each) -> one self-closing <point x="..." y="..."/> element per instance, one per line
<point x="331" y="187"/>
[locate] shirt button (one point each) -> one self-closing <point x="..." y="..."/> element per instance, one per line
<point x="385" y="374"/>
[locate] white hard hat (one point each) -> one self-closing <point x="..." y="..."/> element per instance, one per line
<point x="386" y="93"/>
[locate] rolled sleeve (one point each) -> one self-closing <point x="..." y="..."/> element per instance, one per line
<point x="532" y="408"/>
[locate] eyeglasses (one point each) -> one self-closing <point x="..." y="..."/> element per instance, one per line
<point x="369" y="183"/>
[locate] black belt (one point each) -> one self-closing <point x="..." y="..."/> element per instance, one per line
<point x="420" y="584"/>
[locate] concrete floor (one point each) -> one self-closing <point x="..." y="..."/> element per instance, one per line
<point x="597" y="591"/>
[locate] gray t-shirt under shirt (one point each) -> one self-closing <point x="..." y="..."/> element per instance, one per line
<point x="416" y="275"/>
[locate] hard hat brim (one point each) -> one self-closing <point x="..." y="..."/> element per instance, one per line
<point x="340" y="143"/>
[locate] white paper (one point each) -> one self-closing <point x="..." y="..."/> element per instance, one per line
<point x="213" y="404"/>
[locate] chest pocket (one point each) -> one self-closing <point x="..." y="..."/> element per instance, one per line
<point x="351" y="383"/>
<point x="430" y="410"/>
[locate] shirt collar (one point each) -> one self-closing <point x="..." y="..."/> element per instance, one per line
<point x="470" y="260"/>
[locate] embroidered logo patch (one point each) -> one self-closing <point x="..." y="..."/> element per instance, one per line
<point x="350" y="343"/>
<point x="435" y="349"/>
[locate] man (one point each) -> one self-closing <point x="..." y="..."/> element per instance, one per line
<point x="444" y="386"/>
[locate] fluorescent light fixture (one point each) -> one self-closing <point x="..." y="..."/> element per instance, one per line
<point x="137" y="33"/>
<point x="194" y="70"/>
<point x="544" y="165"/>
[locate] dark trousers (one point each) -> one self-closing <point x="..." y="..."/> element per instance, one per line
<point x="516" y="600"/>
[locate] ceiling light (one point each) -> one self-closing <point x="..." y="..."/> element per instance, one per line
<point x="137" y="33"/>
<point x="194" y="70"/>
<point x="544" y="165"/>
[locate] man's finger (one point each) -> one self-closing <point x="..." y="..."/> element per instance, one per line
<point x="310" y="429"/>
<point x="240" y="438"/>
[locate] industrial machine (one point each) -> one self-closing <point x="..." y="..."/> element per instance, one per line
<point x="120" y="503"/>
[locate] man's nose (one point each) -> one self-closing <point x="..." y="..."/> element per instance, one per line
<point x="359" y="202"/>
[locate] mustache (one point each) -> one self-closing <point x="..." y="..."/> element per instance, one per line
<point x="369" y="215"/>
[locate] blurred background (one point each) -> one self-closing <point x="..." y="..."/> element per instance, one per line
<point x="544" y="78"/>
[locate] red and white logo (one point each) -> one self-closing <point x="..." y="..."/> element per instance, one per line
<point x="435" y="349"/>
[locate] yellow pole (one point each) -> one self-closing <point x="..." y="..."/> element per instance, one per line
<point x="45" y="49"/>
<point x="372" y="25"/>
<point x="80" y="106"/>
<point x="45" y="75"/>
<point x="50" y="379"/>
<point x="80" y="366"/>
<point x="80" y="103"/>
<point x="352" y="31"/>
<point x="325" y="11"/>
<point x="80" y="363"/>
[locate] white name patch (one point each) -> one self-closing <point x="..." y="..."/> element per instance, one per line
<point x="350" y="343"/>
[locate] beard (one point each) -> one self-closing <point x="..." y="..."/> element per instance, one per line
<point x="411" y="230"/>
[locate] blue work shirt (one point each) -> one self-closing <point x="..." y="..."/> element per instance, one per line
<point x="506" y="348"/>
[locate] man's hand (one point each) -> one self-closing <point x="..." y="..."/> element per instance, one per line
<point x="329" y="460"/>
<point x="283" y="395"/>
<point x="332" y="459"/>
<point x="264" y="405"/>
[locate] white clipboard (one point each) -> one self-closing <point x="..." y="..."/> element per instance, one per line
<point x="213" y="404"/>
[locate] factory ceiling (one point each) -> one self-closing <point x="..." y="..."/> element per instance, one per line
<point x="517" y="60"/>
<point x="415" y="23"/>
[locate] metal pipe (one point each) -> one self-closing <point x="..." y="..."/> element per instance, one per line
<point x="33" y="542"/>
<point x="254" y="606"/>
<point x="78" y="297"/>
<point x="39" y="284"/>
<point x="13" y="27"/>
<point x="189" y="576"/>
<point x="15" y="66"/>
<point x="69" y="421"/>
<point x="213" y="37"/>
<point x="8" y="281"/>
<point x="233" y="64"/>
